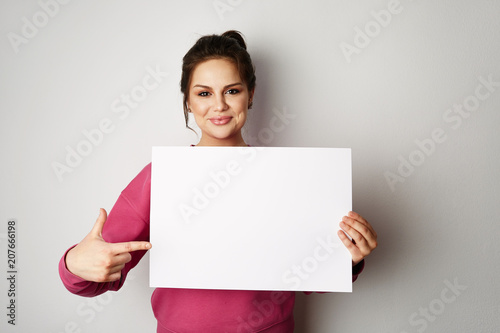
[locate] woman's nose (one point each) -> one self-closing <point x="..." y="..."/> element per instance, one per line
<point x="220" y="103"/>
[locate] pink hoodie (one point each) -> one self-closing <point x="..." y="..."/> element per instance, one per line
<point x="185" y="310"/>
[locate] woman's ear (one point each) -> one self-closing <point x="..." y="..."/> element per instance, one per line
<point x="250" y="98"/>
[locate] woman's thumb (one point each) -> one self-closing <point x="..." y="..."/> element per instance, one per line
<point x="99" y="223"/>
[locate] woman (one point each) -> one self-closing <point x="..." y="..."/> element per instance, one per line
<point x="218" y="83"/>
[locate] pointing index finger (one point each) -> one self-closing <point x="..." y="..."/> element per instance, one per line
<point x="127" y="247"/>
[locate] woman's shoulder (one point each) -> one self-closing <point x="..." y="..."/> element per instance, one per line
<point x="143" y="177"/>
<point x="140" y="186"/>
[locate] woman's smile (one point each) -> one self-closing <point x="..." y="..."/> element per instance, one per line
<point x="220" y="120"/>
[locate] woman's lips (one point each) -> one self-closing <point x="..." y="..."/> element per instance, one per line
<point x="220" y="120"/>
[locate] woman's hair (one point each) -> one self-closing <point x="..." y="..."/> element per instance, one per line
<point x="231" y="46"/>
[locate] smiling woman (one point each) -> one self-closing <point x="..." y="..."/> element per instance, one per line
<point x="219" y="102"/>
<point x="231" y="47"/>
<point x="218" y="83"/>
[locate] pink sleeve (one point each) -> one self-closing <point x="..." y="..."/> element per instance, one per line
<point x="127" y="221"/>
<point x="356" y="270"/>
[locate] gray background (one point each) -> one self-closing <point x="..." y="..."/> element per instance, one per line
<point x="439" y="226"/>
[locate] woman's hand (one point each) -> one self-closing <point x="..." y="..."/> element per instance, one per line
<point x="364" y="238"/>
<point x="96" y="260"/>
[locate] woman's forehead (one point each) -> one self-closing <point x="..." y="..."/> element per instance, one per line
<point x="215" y="72"/>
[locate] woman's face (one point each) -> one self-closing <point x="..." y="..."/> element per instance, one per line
<point x="219" y="99"/>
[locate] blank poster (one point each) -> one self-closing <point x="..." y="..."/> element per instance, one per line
<point x="250" y="218"/>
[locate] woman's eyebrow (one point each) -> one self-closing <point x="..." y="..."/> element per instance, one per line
<point x="225" y="87"/>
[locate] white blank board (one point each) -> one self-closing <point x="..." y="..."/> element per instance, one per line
<point x="250" y="218"/>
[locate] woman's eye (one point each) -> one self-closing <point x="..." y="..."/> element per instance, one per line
<point x="203" y="94"/>
<point x="233" y="91"/>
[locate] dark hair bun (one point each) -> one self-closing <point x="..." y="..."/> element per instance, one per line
<point x="236" y="35"/>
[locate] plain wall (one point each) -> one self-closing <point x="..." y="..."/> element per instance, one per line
<point x="408" y="97"/>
